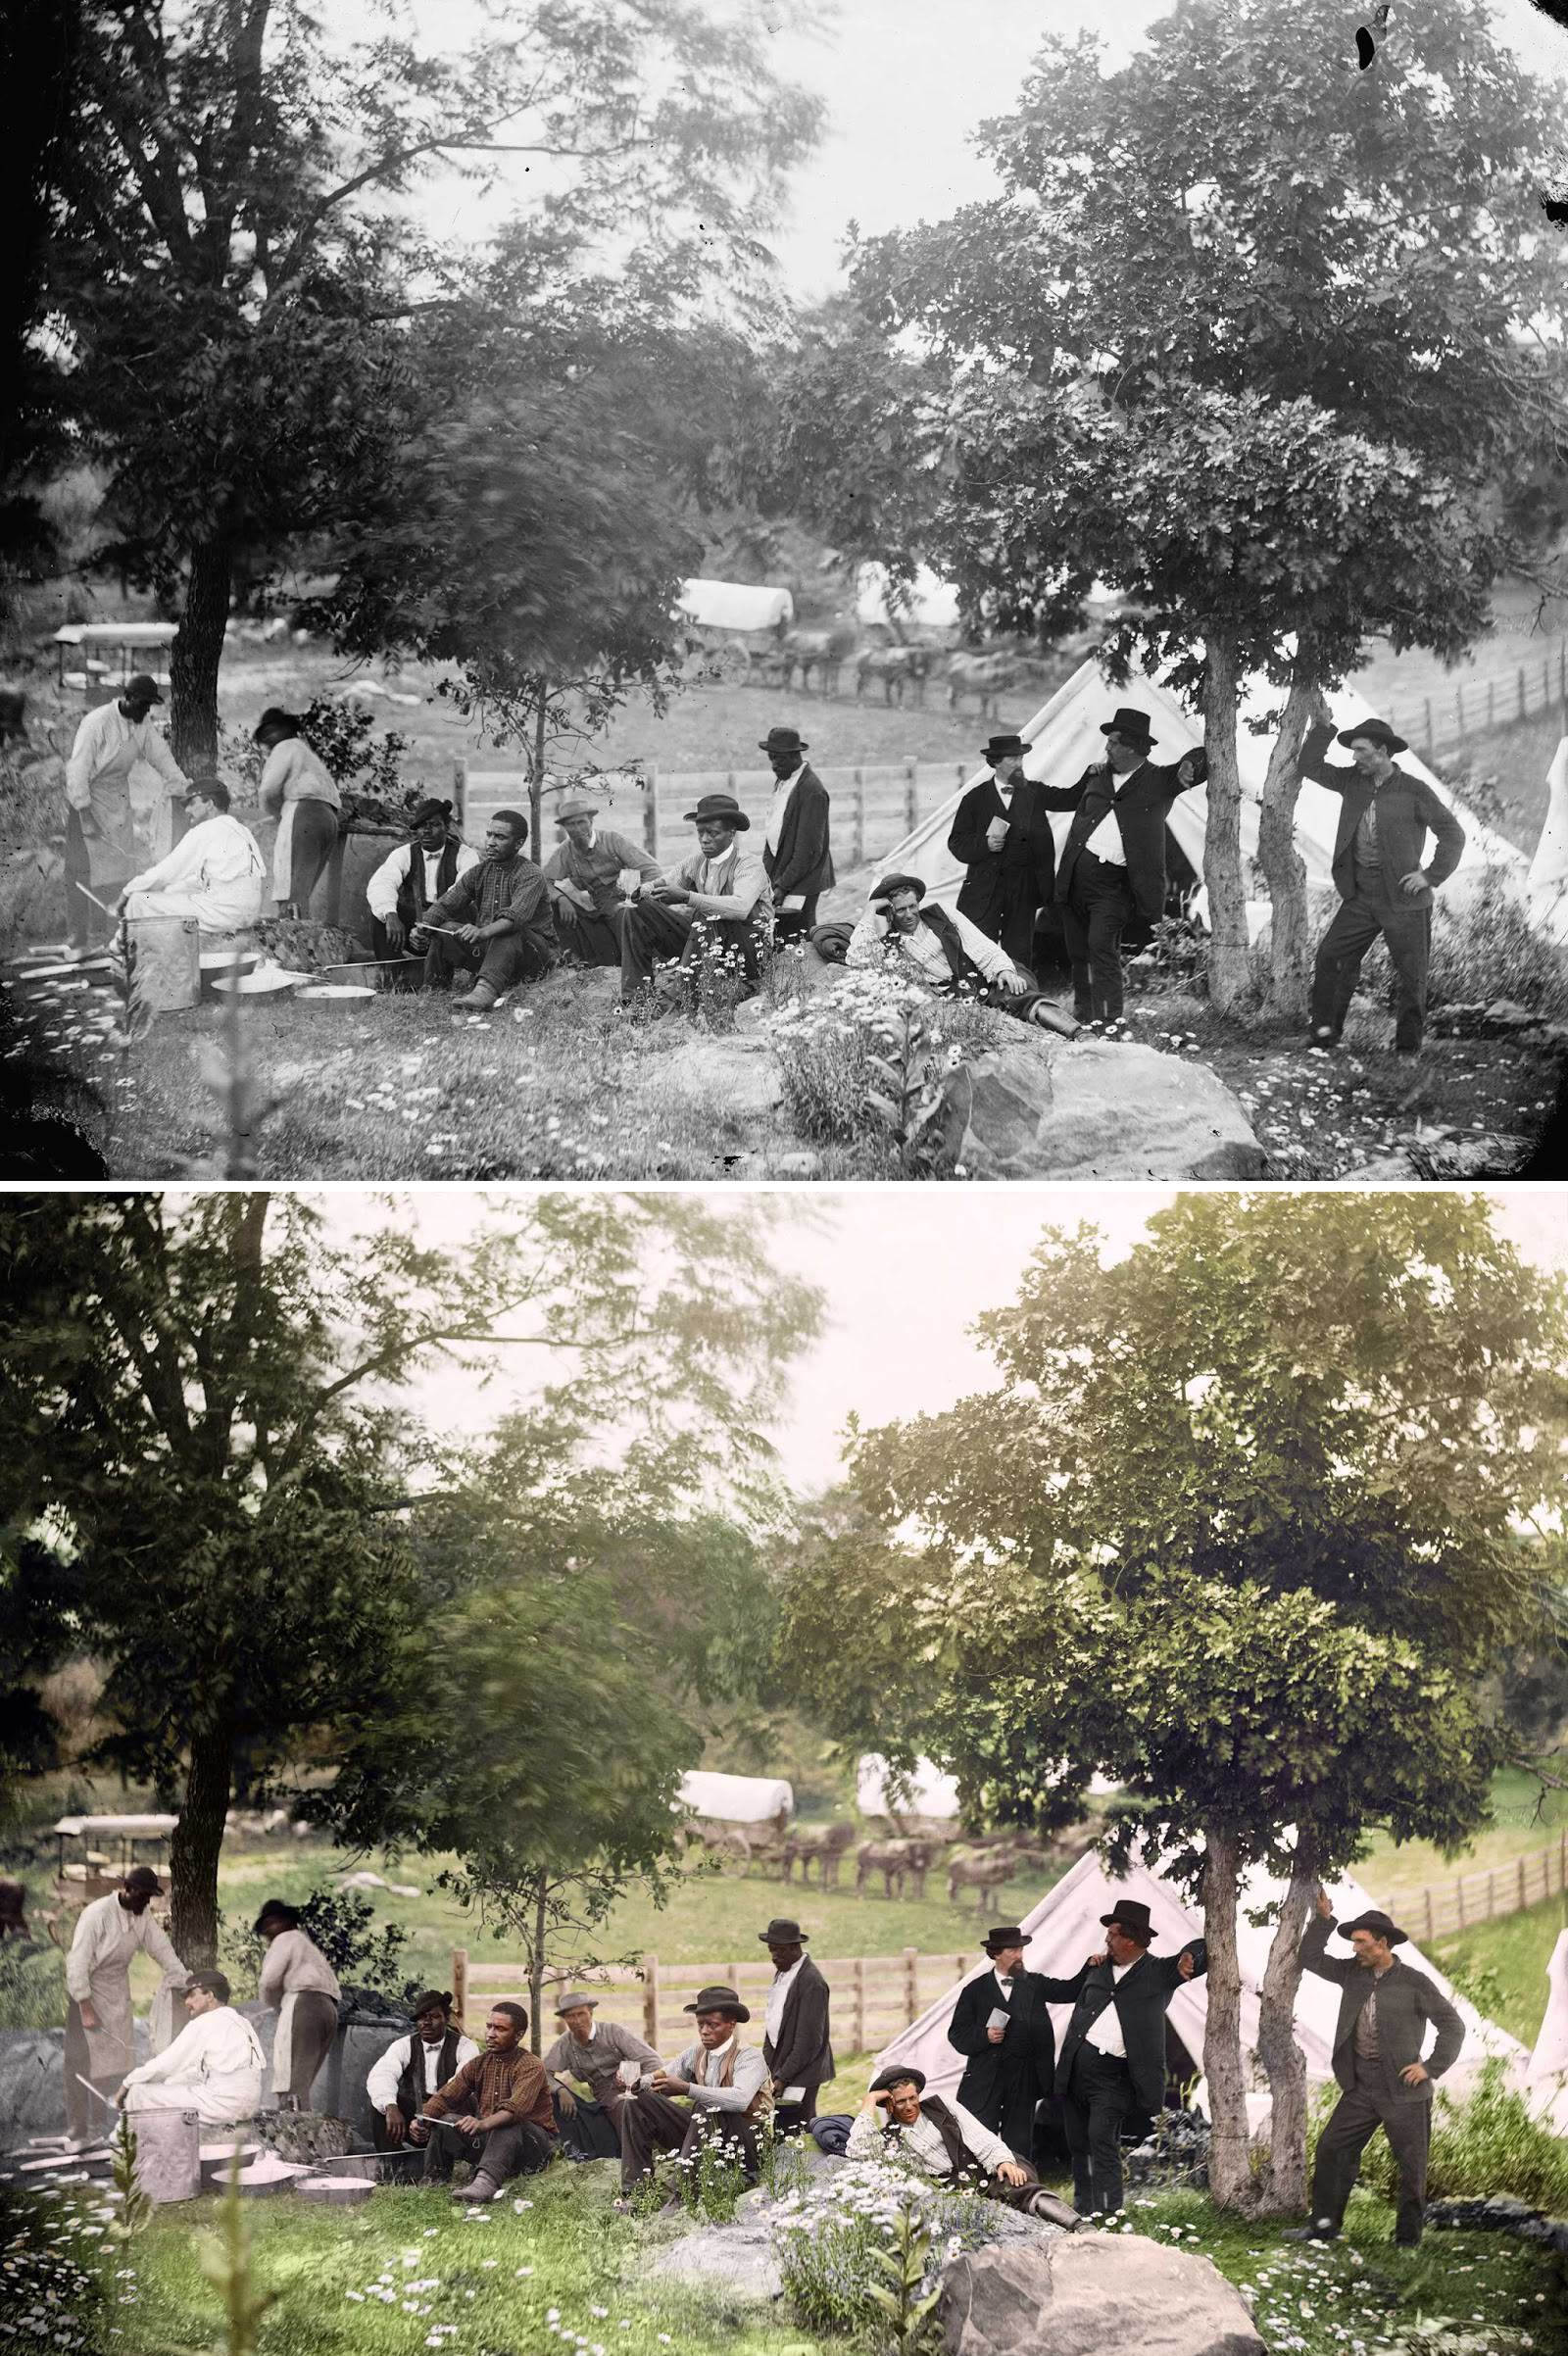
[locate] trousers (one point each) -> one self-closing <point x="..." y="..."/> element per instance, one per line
<point x="653" y="932"/>
<point x="1095" y="2102"/>
<point x="521" y="2149"/>
<point x="1353" y="2120"/>
<point x="1355" y="926"/>
<point x="85" y="2120"/>
<point x="314" y="2021"/>
<point x="653" y="2123"/>
<point x="1094" y="916"/>
<point x="590" y="935"/>
<point x="502" y="963"/>
<point x="591" y="2130"/>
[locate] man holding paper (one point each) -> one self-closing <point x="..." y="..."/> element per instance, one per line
<point x="1001" y="2022"/>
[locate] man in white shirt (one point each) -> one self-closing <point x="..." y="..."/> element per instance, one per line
<point x="946" y="2143"/>
<point x="1113" y="2054"/>
<point x="796" y="2042"/>
<point x="215" y="2066"/>
<point x="718" y="904"/>
<point x="1113" y="865"/>
<point x="413" y="2067"/>
<point x="100" y="2028"/>
<point x="215" y="873"/>
<point x="413" y="878"/>
<point x="946" y="955"/>
<point x="725" y="2082"/>
<point x="101" y="848"/>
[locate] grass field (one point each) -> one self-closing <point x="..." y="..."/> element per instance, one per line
<point x="1502" y="1965"/>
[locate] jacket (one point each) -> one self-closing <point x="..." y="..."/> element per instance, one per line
<point x="1140" y="801"/>
<point x="999" y="884"/>
<point x="803" y="2056"/>
<point x="1028" y="2048"/>
<point x="510" y="891"/>
<point x="1140" y="1997"/>
<point x="512" y="2082"/>
<point x="803" y="863"/>
<point x="1408" y="2003"/>
<point x="1407" y="811"/>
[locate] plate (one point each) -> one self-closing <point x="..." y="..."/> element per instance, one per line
<point x="266" y="981"/>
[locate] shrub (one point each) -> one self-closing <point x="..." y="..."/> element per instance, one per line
<point x="1485" y="947"/>
<point x="828" y="1046"/>
<point x="341" y="1921"/>
<point x="32" y="1985"/>
<point x="827" y="2239"/>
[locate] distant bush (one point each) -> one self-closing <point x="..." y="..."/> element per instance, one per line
<point x="342" y="1923"/>
<point x="32" y="1985"/>
<point x="1485" y="947"/>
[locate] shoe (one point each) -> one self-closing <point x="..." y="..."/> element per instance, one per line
<point x="1322" y="2228"/>
<point x="481" y="2188"/>
<point x="1054" y="2211"/>
<point x="477" y="1001"/>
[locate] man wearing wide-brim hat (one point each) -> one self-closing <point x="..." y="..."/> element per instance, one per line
<point x="413" y="878"/>
<point x="1112" y="2063"/>
<point x="594" y="874"/>
<point x="1113" y="865"/>
<point x="100" y="2027"/>
<point x="1386" y="815"/>
<point x="797" y="2045"/>
<point x="101" y="850"/>
<point x="1001" y="835"/>
<point x="795" y="850"/>
<point x="945" y="2141"/>
<point x="605" y="2058"/>
<point x="1002" y="2026"/>
<point x="715" y="2092"/>
<point x="1386" y="2009"/>
<point x="944" y="954"/>
<point x="718" y="907"/>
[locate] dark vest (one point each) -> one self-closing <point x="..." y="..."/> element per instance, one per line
<point x="412" y="2092"/>
<point x="413" y="898"/>
<point x="933" y="2107"/>
<point x="959" y="962"/>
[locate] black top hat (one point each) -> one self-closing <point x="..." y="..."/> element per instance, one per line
<point x="717" y="1999"/>
<point x="274" y="717"/>
<point x="1377" y="732"/>
<point x="1380" y="1926"/>
<point x="140" y="688"/>
<point x="898" y="883"/>
<point x="782" y="740"/>
<point x="1001" y="746"/>
<point x="1127" y="720"/>
<point x="720" y="805"/>
<point x="1132" y="1916"/>
<point x="782" y="1931"/>
<point x="893" y="2075"/>
<point x="1006" y="1935"/>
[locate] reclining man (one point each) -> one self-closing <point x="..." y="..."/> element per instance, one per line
<point x="214" y="2067"/>
<point x="497" y="2110"/>
<point x="495" y="919"/>
<point x="721" y="901"/>
<point x="594" y="877"/>
<point x="413" y="2067"/>
<point x="602" y="2056"/>
<point x="946" y="954"/>
<point x="725" y="2082"/>
<point x="946" y="2143"/>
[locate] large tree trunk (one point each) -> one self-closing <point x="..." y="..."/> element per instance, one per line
<point x="197" y="651"/>
<point x="1228" y="959"/>
<point x="536" y="1963"/>
<point x="1282" y="2188"/>
<point x="536" y="781"/>
<point x="1290" y="942"/>
<point x="195" y="1845"/>
<point x="1230" y="2176"/>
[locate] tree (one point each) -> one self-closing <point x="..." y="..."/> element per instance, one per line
<point x="1251" y="337"/>
<point x="234" y="264"/>
<point x="203" y="1401"/>
<point x="1240" y="1528"/>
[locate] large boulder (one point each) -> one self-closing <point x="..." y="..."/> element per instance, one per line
<point x="733" y="2263"/>
<point x="731" y="1077"/>
<point x="1121" y="1110"/>
<point x="1078" y="2294"/>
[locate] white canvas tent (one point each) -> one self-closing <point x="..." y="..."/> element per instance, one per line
<point x="737" y="1798"/>
<point x="734" y="606"/>
<point x="1548" y="869"/>
<point x="1064" y="737"/>
<point x="1548" y="2063"/>
<point x="925" y="1791"/>
<point x="1066" y="1928"/>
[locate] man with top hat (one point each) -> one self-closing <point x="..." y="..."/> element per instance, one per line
<point x="945" y="2141"/>
<point x="101" y="849"/>
<point x="410" y="878"/>
<point x="1386" y="815"/>
<point x="725" y="2084"/>
<point x="1114" y="861"/>
<point x="1386" y="2077"/>
<point x="1002" y="837"/>
<point x="795" y="842"/>
<point x="593" y="877"/>
<point x="796" y="2043"/>
<point x="495" y="921"/>
<point x="719" y="903"/>
<point x="1112" y="2063"/>
<point x="413" y="2067"/>
<point x="1001" y="2025"/>
<point x="100" y="2027"/>
<point x="605" y="2058"/>
<point x="946" y="954"/>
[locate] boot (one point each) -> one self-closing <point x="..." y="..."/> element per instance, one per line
<point x="484" y="2187"/>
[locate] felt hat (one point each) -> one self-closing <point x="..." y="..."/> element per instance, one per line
<point x="278" y="1910"/>
<point x="575" y="2000"/>
<point x="783" y="1932"/>
<point x="577" y="805"/>
<point x="1008" y="1934"/>
<point x="430" y="1999"/>
<point x="717" y="1999"/>
<point x="1133" y="1917"/>
<point x="274" y="717"/>
<point x="1380" y="1926"/>
<point x="428" y="808"/>
<point x="1377" y="732"/>
<point x="1001" y="746"/>
<point x="142" y="1877"/>
<point x="140" y="688"/>
<point x="893" y="2075"/>
<point x="898" y="883"/>
<point x="720" y="805"/>
<point x="215" y="1984"/>
<point x="1127" y="720"/>
<point x="782" y="740"/>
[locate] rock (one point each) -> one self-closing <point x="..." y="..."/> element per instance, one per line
<point x="33" y="2083"/>
<point x="795" y="1166"/>
<point x="729" y="1076"/>
<point x="1012" y="1095"/>
<point x="304" y="2138"/>
<point x="733" y="2262"/>
<point x="1510" y="1016"/>
<point x="1079" y="2294"/>
<point x="1109" y="1111"/>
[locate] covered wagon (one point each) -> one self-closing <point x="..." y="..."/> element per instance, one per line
<point x="727" y="623"/>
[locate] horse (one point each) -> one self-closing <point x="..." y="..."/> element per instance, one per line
<point x="895" y="666"/>
<point x="823" y="651"/>
<point x="982" y="675"/>
<point x="896" y="1861"/>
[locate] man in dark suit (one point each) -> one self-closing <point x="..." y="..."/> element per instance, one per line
<point x="1384" y="2012"/>
<point x="1114" y="861"/>
<point x="1002" y="836"/>
<point x="1113" y="2054"/>
<point x="796" y="2045"/>
<point x="1012" y="2063"/>
<point x="795" y="849"/>
<point x="1386" y="815"/>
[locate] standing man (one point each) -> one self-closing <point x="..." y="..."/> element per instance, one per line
<point x="496" y="2109"/>
<point x="296" y="1977"/>
<point x="604" y="2057"/>
<point x="796" y="2043"/>
<point x="298" y="790"/>
<point x="414" y="875"/>
<point x="1384" y="2012"/>
<point x="1113" y="2054"/>
<point x="100" y="2028"/>
<point x="413" y="2067"/>
<point x="725" y="2084"/>
<point x="1114" y="863"/>
<point x="495" y="921"/>
<point x="215" y="874"/>
<point x="100" y="833"/>
<point x="795" y="849"/>
<point x="214" y="2067"/>
<point x="1002" y="836"/>
<point x="719" y="902"/>
<point x="1011" y="2062"/>
<point x="593" y="877"/>
<point x="1385" y="817"/>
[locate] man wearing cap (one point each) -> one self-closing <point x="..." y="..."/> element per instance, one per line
<point x="719" y="902"/>
<point x="413" y="2067"/>
<point x="410" y="878"/>
<point x="101" y="849"/>
<point x="725" y="2082"/>
<point x="593" y="877"/>
<point x="1001" y="2025"/>
<point x="605" y="2058"/>
<point x="215" y="874"/>
<point x="1386" y="815"/>
<point x="1384" y="2012"/>
<point x="495" y="921"/>
<point x="497" y="2107"/>
<point x="1114" y="2054"/>
<point x="299" y="791"/>
<point x="214" y="2067"/>
<point x="946" y="953"/>
<point x="794" y="846"/>
<point x="1113" y="861"/>
<point x="945" y="2141"/>
<point x="1002" y="837"/>
<point x="296" y="1977"/>
<point x="796" y="2042"/>
<point x="100" y="2028"/>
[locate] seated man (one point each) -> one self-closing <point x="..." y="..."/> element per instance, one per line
<point x="216" y="871"/>
<point x="720" y="900"/>
<point x="414" y="875"/>
<point x="604" y="2057"/>
<point x="946" y="2143"/>
<point x="214" y="2067"/>
<point x="496" y="2111"/>
<point x="593" y="877"/>
<point x="413" y="2067"/>
<point x="947" y="954"/>
<point x="496" y="918"/>
<point x="725" y="2082"/>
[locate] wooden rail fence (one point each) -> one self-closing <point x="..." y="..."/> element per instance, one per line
<point x="1437" y="1909"/>
<point x="1497" y="697"/>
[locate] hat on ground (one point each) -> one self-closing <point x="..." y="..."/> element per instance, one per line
<point x="274" y="717"/>
<point x="142" y="1877"/>
<point x="782" y="1931"/>
<point x="278" y="1910"/>
<point x="1132" y="1916"/>
<point x="782" y="740"/>
<point x="214" y="1983"/>
<point x="430" y="1999"/>
<point x="1008" y="1934"/>
<point x="720" y="805"/>
<point x="898" y="883"/>
<point x="140" y="688"/>
<point x="575" y="2000"/>
<point x="577" y="805"/>
<point x="424" y="811"/>
<point x="1377" y="732"/>
<point x="1001" y="746"/>
<point x="1126" y="720"/>
<point x="1380" y="1926"/>
<point x="717" y="1999"/>
<point x="895" y="2076"/>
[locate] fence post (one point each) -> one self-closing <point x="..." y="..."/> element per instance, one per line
<point x="912" y="797"/>
<point x="459" y="1983"/>
<point x="860" y="2003"/>
<point x="650" y="2002"/>
<point x="912" y="1982"/>
<point x="1523" y="1899"/>
<point x="1520" y="691"/>
<point x="1425" y="706"/>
